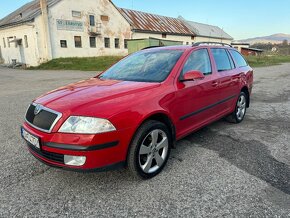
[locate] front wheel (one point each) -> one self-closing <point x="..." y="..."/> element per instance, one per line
<point x="240" y="110"/>
<point x="149" y="150"/>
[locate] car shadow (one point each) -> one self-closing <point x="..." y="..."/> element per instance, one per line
<point x="250" y="156"/>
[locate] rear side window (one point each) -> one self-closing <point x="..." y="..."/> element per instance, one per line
<point x="221" y="59"/>
<point x="198" y="60"/>
<point x="239" y="59"/>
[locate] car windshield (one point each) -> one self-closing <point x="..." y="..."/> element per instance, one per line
<point x="144" y="66"/>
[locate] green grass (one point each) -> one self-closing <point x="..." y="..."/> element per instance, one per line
<point x="102" y="63"/>
<point x="83" y="64"/>
<point x="264" y="61"/>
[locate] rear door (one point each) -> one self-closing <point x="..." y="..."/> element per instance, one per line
<point x="227" y="76"/>
<point x="244" y="73"/>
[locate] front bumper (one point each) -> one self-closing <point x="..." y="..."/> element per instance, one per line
<point x="104" y="151"/>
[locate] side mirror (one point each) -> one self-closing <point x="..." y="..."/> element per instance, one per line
<point x="193" y="75"/>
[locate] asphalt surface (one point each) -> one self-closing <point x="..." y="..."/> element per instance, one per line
<point x="222" y="170"/>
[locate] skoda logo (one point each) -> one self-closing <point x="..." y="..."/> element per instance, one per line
<point x="37" y="109"/>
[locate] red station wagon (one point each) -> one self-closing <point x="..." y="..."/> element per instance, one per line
<point x="131" y="114"/>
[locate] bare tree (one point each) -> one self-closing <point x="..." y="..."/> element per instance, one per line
<point x="285" y="42"/>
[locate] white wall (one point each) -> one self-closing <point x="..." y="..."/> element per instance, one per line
<point x="116" y="27"/>
<point x="20" y="53"/>
<point x="240" y="46"/>
<point x="208" y="39"/>
<point x="184" y="39"/>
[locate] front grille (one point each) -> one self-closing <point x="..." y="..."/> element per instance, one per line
<point x="44" y="119"/>
<point x="59" y="158"/>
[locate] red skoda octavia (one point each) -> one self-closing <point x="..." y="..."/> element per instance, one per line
<point x="131" y="114"/>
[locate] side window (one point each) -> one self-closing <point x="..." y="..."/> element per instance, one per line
<point x="231" y="60"/>
<point x="221" y="59"/>
<point x="198" y="60"/>
<point x="240" y="61"/>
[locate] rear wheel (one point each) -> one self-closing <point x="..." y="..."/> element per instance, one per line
<point x="149" y="150"/>
<point x="240" y="110"/>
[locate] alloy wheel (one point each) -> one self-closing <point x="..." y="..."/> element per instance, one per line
<point x="241" y="107"/>
<point x="153" y="151"/>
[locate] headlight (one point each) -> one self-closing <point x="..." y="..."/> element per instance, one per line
<point x="86" y="125"/>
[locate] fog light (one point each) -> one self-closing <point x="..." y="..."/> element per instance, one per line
<point x="74" y="160"/>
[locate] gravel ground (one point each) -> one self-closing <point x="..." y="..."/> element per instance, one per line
<point x="222" y="170"/>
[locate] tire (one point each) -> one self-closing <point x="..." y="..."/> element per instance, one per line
<point x="149" y="150"/>
<point x="240" y="109"/>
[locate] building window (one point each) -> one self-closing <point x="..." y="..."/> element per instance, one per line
<point x="77" y="14"/>
<point x="187" y="43"/>
<point x="9" y="39"/>
<point x="192" y="37"/>
<point x="104" y="18"/>
<point x="92" y="20"/>
<point x="117" y="43"/>
<point x="63" y="44"/>
<point x="78" y="41"/>
<point x="4" y="43"/>
<point x="164" y="35"/>
<point x="25" y="41"/>
<point x="126" y="43"/>
<point x="93" y="42"/>
<point x="107" y="42"/>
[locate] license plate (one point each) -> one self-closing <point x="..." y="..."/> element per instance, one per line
<point x="30" y="138"/>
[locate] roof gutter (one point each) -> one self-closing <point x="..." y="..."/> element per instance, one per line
<point x="10" y="25"/>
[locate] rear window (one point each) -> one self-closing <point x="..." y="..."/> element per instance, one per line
<point x="239" y="59"/>
<point x="221" y="59"/>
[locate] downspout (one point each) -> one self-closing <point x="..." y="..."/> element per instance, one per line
<point x="45" y="28"/>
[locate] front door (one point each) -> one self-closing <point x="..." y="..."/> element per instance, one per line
<point x="196" y="101"/>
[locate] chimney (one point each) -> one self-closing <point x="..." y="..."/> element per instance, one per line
<point x="45" y="30"/>
<point x="43" y="7"/>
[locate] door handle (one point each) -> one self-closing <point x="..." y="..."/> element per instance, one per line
<point x="215" y="83"/>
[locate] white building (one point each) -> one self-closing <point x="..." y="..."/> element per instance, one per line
<point x="240" y="45"/>
<point x="207" y="33"/>
<point x="46" y="29"/>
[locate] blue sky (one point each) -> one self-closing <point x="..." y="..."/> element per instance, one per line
<point x="241" y="19"/>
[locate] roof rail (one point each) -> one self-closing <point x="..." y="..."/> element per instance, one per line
<point x="211" y="43"/>
<point x="154" y="46"/>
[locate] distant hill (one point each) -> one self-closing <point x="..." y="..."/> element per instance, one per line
<point x="274" y="39"/>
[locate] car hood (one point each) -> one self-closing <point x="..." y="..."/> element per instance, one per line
<point x="90" y="92"/>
